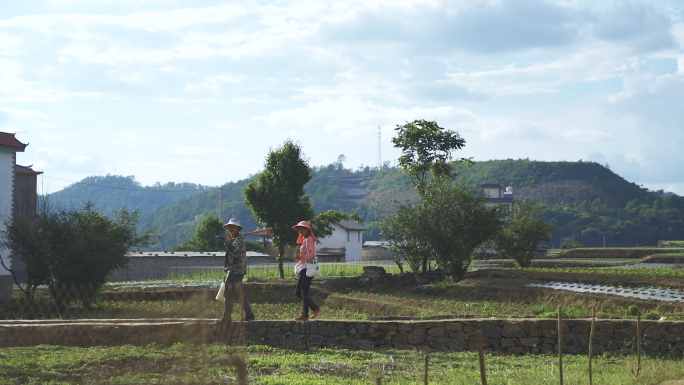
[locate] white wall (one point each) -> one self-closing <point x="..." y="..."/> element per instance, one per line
<point x="7" y="159"/>
<point x="343" y="240"/>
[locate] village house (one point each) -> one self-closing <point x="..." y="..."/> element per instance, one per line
<point x="347" y="239"/>
<point x="17" y="200"/>
<point x="499" y="195"/>
<point x="377" y="251"/>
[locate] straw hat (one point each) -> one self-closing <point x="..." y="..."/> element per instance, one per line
<point x="233" y="221"/>
<point x="304" y="224"/>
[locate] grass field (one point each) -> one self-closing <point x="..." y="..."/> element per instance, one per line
<point x="196" y="364"/>
<point x="483" y="293"/>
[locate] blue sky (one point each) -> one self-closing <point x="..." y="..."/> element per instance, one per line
<point x="199" y="90"/>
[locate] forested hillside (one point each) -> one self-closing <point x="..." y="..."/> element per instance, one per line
<point x="111" y="192"/>
<point x="587" y="201"/>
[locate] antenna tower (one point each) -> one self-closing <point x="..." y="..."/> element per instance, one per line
<point x="379" y="160"/>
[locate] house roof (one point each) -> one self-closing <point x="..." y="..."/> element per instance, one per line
<point x="492" y="185"/>
<point x="351" y="225"/>
<point x="26" y="170"/>
<point x="384" y="244"/>
<point x="8" y="141"/>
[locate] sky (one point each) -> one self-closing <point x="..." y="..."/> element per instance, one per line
<point x="200" y="91"/>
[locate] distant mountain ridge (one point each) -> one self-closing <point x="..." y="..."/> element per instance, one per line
<point x="111" y="192"/>
<point x="588" y="202"/>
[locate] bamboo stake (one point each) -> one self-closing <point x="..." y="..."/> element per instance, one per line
<point x="426" y="365"/>
<point x="560" y="343"/>
<point x="638" y="343"/>
<point x="591" y="345"/>
<point x="483" y="373"/>
<point x="305" y="324"/>
<point x="241" y="367"/>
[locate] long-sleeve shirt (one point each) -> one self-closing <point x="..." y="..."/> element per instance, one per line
<point x="235" y="261"/>
<point x="307" y="252"/>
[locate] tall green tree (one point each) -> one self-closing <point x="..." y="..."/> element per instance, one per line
<point x="522" y="232"/>
<point x="204" y="238"/>
<point x="277" y="197"/>
<point x="72" y="251"/>
<point x="447" y="227"/>
<point x="426" y="156"/>
<point x="426" y="150"/>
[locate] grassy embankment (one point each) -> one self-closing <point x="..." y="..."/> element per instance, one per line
<point x="196" y="364"/>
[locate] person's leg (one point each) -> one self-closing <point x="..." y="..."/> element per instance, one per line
<point x="229" y="295"/>
<point x="232" y="290"/>
<point x="246" y="306"/>
<point x="298" y="290"/>
<point x="308" y="302"/>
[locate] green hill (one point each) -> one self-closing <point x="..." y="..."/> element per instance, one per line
<point x="111" y="192"/>
<point x="587" y="201"/>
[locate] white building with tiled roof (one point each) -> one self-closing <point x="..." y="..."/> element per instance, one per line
<point x="347" y="238"/>
<point x="9" y="146"/>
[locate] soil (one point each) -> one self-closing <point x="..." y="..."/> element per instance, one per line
<point x="615" y="253"/>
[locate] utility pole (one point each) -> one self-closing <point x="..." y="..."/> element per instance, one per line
<point x="379" y="160"/>
<point x="220" y="199"/>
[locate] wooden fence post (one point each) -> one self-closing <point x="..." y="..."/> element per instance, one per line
<point x="591" y="345"/>
<point x="480" y="348"/>
<point x="560" y="343"/>
<point x="638" y="343"/>
<point x="426" y="365"/>
<point x="241" y="367"/>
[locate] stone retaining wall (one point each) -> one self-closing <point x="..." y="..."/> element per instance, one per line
<point x="508" y="336"/>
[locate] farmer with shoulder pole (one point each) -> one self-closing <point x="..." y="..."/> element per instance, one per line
<point x="235" y="266"/>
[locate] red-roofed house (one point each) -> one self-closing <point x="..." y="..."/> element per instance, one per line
<point x="10" y="174"/>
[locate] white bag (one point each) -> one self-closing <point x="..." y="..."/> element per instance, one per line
<point x="222" y="290"/>
<point x="312" y="268"/>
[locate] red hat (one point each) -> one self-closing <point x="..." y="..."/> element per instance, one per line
<point x="306" y="224"/>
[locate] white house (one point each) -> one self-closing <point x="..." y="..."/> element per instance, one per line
<point x="499" y="195"/>
<point x="347" y="238"/>
<point x="9" y="146"/>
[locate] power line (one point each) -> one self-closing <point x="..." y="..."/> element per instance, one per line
<point x="123" y="188"/>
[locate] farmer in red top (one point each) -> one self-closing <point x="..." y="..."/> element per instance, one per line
<point x="307" y="252"/>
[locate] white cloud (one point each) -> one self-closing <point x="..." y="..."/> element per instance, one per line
<point x="204" y="151"/>
<point x="126" y="139"/>
<point x="23" y="112"/>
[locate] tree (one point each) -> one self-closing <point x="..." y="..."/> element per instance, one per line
<point x="459" y="222"/>
<point x="426" y="150"/>
<point x="277" y="198"/>
<point x="399" y="228"/>
<point x="72" y="251"/>
<point x="522" y="232"/>
<point x="204" y="238"/>
<point x="446" y="227"/>
<point x="322" y="224"/>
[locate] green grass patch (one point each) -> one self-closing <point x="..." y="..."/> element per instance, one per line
<point x="196" y="364"/>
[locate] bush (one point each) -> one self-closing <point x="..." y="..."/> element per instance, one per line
<point x="72" y="251"/>
<point x="652" y="315"/>
<point x="633" y="310"/>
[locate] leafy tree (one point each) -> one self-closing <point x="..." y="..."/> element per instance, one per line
<point x="400" y="229"/>
<point x="446" y="227"/>
<point x="459" y="222"/>
<point x="72" y="251"/>
<point x="523" y="231"/>
<point x="204" y="238"/>
<point x="277" y="198"/>
<point x="426" y="149"/>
